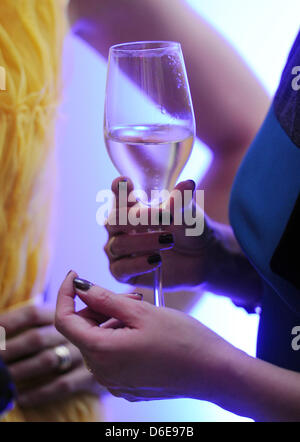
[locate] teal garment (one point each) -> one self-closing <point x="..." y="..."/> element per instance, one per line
<point x="265" y="216"/>
<point x="7" y="389"/>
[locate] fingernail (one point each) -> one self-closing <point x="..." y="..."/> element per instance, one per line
<point x="82" y="284"/>
<point x="166" y="238"/>
<point x="154" y="259"/>
<point x="70" y="271"/>
<point x="139" y="295"/>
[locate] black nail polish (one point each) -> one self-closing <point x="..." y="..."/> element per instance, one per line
<point x="166" y="238"/>
<point x="82" y="284"/>
<point x="154" y="259"/>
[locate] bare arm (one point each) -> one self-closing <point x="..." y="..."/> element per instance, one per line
<point x="257" y="389"/>
<point x="229" y="102"/>
<point x="228" y="271"/>
<point x="190" y="361"/>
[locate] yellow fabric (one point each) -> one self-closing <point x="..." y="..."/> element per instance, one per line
<point x="31" y="38"/>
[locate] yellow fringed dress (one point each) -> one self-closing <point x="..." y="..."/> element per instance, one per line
<point x="31" y="39"/>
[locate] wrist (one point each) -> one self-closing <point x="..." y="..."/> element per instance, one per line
<point x="229" y="391"/>
<point x="228" y="381"/>
<point x="246" y="388"/>
<point x="215" y="252"/>
<point x="214" y="368"/>
<point x="228" y="271"/>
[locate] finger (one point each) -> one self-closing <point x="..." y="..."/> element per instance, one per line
<point x="92" y="316"/>
<point x="42" y="364"/>
<point x="116" y="222"/>
<point x="114" y="228"/>
<point x="64" y="386"/>
<point x="102" y="319"/>
<point x="78" y="329"/>
<point x="109" y="304"/>
<point x="116" y="323"/>
<point x="181" y="197"/>
<point x="113" y="323"/>
<point x="137" y="218"/>
<point x="20" y="319"/>
<point x="120" y="221"/>
<point x="32" y="341"/>
<point x="128" y="268"/>
<point x="66" y="318"/>
<point x="146" y="243"/>
<point x="122" y="187"/>
<point x="66" y="297"/>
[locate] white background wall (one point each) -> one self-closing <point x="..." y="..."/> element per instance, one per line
<point x="262" y="31"/>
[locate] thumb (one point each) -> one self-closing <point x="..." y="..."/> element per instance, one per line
<point x="188" y="185"/>
<point x="181" y="198"/>
<point x="106" y="302"/>
<point x="122" y="187"/>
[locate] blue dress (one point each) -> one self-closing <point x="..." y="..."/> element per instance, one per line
<point x="7" y="389"/>
<point x="265" y="216"/>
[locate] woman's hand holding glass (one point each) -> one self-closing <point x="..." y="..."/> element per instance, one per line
<point x="134" y="251"/>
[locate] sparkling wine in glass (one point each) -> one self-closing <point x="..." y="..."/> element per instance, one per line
<point x="149" y="123"/>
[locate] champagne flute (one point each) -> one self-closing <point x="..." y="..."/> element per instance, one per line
<point x="149" y="123"/>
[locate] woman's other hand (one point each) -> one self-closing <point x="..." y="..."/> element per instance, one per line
<point x="30" y="355"/>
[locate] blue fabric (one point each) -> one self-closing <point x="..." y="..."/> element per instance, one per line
<point x="287" y="102"/>
<point x="264" y="197"/>
<point x="264" y="194"/>
<point x="7" y="389"/>
<point x="274" y="335"/>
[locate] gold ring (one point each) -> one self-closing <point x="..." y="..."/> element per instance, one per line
<point x="64" y="358"/>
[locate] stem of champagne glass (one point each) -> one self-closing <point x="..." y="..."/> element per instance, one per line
<point x="159" y="299"/>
